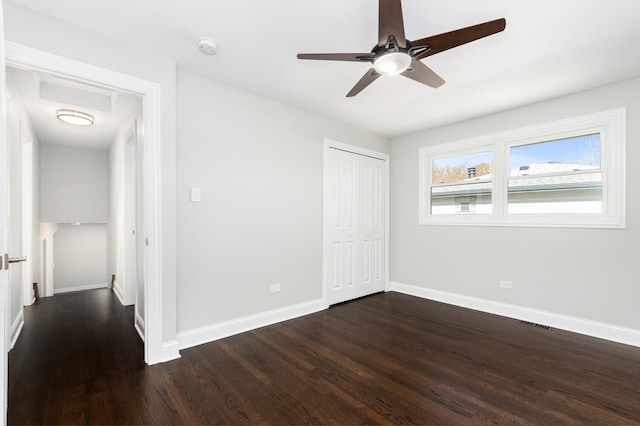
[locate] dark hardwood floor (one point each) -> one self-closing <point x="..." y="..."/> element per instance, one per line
<point x="387" y="358"/>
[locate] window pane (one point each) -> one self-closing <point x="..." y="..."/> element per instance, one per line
<point x="461" y="167"/>
<point x="567" y="186"/>
<point x="462" y="184"/>
<point x="572" y="193"/>
<point x="558" y="156"/>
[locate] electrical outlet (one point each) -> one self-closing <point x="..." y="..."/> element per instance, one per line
<point x="275" y="288"/>
<point x="506" y="284"/>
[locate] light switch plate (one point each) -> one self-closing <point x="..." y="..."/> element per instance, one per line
<point x="195" y="195"/>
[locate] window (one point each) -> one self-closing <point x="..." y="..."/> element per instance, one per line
<point x="569" y="173"/>
<point x="559" y="176"/>
<point x="461" y="184"/>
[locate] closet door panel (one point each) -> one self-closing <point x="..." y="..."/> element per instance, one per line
<point x="354" y="225"/>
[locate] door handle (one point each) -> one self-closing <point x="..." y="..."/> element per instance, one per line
<point x="8" y="260"/>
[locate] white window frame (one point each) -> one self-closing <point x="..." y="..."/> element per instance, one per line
<point x="611" y="125"/>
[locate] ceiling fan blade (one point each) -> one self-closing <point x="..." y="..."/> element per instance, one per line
<point x="390" y="23"/>
<point x="423" y="74"/>
<point x="371" y="76"/>
<point x="354" y="57"/>
<point x="445" y="41"/>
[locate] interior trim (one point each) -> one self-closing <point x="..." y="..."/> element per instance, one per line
<point x="199" y="336"/>
<point x="614" y="333"/>
<point x="16" y="328"/>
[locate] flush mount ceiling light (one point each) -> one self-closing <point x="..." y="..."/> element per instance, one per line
<point x="75" y="117"/>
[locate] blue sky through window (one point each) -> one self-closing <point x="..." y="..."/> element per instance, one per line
<point x="583" y="150"/>
<point x="578" y="150"/>
<point x="467" y="160"/>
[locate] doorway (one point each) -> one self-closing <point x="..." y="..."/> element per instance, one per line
<point x="151" y="303"/>
<point x="355" y="222"/>
<point x="72" y="187"/>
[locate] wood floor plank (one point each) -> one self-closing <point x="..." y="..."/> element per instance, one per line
<point x="385" y="359"/>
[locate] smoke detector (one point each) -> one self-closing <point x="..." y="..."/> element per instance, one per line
<point x="207" y="46"/>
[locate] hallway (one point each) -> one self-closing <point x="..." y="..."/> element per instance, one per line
<point x="78" y="360"/>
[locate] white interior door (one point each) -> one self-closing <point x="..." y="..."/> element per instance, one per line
<point x="26" y="179"/>
<point x="354" y="225"/>
<point x="129" y="259"/>
<point x="341" y="226"/>
<point x="372" y="223"/>
<point x="4" y="233"/>
<point x="14" y="187"/>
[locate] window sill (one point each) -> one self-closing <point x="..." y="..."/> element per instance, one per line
<point x="527" y="221"/>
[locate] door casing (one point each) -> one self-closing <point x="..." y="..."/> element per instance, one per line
<point x="32" y="59"/>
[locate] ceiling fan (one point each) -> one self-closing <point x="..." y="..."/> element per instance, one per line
<point x="394" y="54"/>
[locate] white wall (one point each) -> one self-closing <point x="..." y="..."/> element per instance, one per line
<point x="36" y="260"/>
<point x="259" y="166"/>
<point x="80" y="257"/>
<point x="47" y="231"/>
<point x="29" y="28"/>
<point x="583" y="273"/>
<point x="73" y="184"/>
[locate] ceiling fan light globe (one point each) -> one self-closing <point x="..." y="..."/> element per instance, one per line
<point x="392" y="63"/>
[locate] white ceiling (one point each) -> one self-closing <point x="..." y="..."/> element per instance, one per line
<point x="548" y="49"/>
<point x="42" y="95"/>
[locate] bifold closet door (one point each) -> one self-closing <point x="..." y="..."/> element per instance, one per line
<point x="354" y="224"/>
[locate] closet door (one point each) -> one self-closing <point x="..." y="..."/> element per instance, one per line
<point x="371" y="224"/>
<point x="354" y="226"/>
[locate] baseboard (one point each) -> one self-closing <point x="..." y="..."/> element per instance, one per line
<point x="170" y="351"/>
<point x="79" y="288"/>
<point x="16" y="328"/>
<point x="118" y="292"/>
<point x="139" y="325"/>
<point x="199" y="336"/>
<point x="627" y="336"/>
